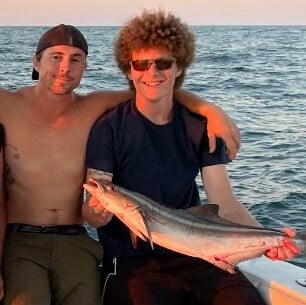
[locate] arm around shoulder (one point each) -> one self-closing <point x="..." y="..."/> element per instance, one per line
<point x="107" y="99"/>
<point x="219" y="123"/>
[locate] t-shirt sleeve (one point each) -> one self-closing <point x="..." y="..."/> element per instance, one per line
<point x="219" y="156"/>
<point x="100" y="147"/>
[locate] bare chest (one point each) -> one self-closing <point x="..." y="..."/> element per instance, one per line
<point x="33" y="146"/>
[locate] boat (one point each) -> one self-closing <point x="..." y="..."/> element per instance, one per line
<point x="278" y="282"/>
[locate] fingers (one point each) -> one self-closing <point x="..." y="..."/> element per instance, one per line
<point x="291" y="246"/>
<point x="289" y="231"/>
<point x="272" y="253"/>
<point x="231" y="139"/>
<point x="232" y="149"/>
<point x="287" y="251"/>
<point x="278" y="254"/>
<point x="212" y="143"/>
<point x="236" y="135"/>
<point x="98" y="208"/>
<point x="230" y="144"/>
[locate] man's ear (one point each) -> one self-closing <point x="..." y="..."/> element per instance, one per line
<point x="35" y="62"/>
<point x="178" y="72"/>
<point x="129" y="74"/>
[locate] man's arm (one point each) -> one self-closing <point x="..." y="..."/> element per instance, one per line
<point x="218" y="190"/>
<point x="219" y="123"/>
<point x="103" y="100"/>
<point x="93" y="211"/>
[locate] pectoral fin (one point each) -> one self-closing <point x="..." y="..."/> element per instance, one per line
<point x="134" y="239"/>
<point x="134" y="235"/>
<point x="144" y="219"/>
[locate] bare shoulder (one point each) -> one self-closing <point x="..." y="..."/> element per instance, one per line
<point x="21" y="93"/>
<point x="11" y="100"/>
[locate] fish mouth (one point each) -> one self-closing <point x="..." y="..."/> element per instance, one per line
<point x="104" y="186"/>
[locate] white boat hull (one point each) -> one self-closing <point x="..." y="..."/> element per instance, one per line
<point x="276" y="281"/>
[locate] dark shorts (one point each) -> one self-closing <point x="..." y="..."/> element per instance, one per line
<point x="177" y="281"/>
<point x="59" y="266"/>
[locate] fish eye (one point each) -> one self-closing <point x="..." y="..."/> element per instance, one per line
<point x="110" y="187"/>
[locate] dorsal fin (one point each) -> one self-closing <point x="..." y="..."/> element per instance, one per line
<point x="209" y="212"/>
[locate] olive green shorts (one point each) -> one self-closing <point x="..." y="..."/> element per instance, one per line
<point x="45" y="269"/>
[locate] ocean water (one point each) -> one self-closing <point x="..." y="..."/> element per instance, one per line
<point x="256" y="73"/>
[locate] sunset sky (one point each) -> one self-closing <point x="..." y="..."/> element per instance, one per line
<point x="115" y="12"/>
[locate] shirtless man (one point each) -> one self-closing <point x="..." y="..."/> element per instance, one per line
<point x="47" y="253"/>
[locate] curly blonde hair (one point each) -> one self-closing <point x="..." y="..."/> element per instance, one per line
<point x="155" y="30"/>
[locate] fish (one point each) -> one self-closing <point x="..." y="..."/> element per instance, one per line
<point x="197" y="231"/>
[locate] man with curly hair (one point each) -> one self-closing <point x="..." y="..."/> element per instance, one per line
<point x="153" y="145"/>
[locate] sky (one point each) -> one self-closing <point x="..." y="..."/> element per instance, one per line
<point x="116" y="12"/>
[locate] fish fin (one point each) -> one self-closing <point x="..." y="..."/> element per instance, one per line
<point x="144" y="219"/>
<point x="228" y="262"/>
<point x="147" y="238"/>
<point x="300" y="239"/>
<point x="301" y="235"/>
<point x="205" y="209"/>
<point x="209" y="212"/>
<point x="134" y="239"/>
<point x="222" y="264"/>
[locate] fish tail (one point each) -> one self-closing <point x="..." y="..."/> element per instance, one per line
<point x="300" y="239"/>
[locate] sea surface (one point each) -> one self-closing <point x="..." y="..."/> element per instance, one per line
<point x="257" y="74"/>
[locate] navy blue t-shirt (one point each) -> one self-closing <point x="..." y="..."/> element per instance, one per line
<point x="159" y="161"/>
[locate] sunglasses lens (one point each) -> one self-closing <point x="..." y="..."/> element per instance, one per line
<point x="141" y="65"/>
<point x="161" y="64"/>
<point x="164" y="63"/>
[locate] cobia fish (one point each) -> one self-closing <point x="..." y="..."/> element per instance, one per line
<point x="197" y="231"/>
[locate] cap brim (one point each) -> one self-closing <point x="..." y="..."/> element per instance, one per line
<point x="35" y="75"/>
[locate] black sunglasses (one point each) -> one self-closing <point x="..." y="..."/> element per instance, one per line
<point x="145" y="64"/>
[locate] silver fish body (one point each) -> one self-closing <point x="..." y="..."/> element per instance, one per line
<point x="197" y="232"/>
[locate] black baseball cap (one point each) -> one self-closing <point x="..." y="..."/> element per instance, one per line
<point x="60" y="35"/>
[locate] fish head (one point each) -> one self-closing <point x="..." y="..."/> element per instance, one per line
<point x="110" y="196"/>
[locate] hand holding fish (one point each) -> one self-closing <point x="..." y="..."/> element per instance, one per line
<point x="97" y="207"/>
<point x="288" y="250"/>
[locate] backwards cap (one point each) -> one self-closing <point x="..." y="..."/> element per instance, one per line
<point x="60" y="35"/>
